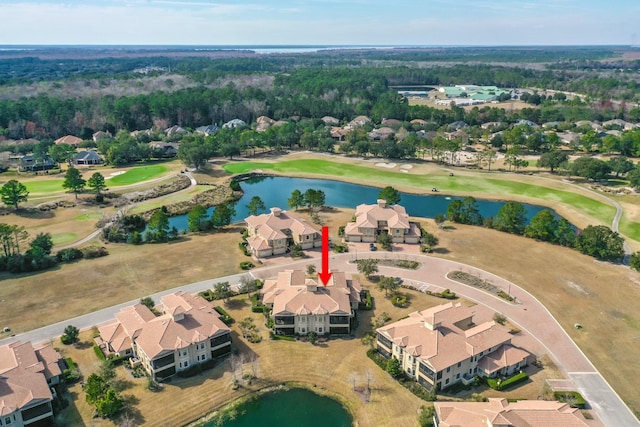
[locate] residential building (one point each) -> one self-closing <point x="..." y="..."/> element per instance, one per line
<point x="164" y="149"/>
<point x="274" y="233"/>
<point x="33" y="163"/>
<point x="26" y="378"/>
<point x="101" y="135"/>
<point x="373" y="220"/>
<point x="175" y="130"/>
<point x="234" y="123"/>
<point x="71" y="140"/>
<point x="441" y="346"/>
<point x="208" y="130"/>
<point x="90" y="157"/>
<point x="501" y="413"/>
<point x="300" y="305"/>
<point x="188" y="331"/>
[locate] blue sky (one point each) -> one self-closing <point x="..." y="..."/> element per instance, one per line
<point x="342" y="22"/>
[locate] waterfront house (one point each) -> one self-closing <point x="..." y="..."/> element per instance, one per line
<point x="274" y="233"/>
<point x="373" y="220"/>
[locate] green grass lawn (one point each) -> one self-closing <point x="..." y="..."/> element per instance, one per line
<point x="46" y="186"/>
<point x="64" y="238"/>
<point x="461" y="184"/>
<point x="135" y="175"/>
<point x="630" y="229"/>
<point x="89" y="216"/>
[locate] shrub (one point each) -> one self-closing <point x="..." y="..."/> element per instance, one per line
<point x="399" y="300"/>
<point x="256" y="304"/>
<point x="259" y="284"/>
<point x="281" y="337"/>
<point x="426" y="249"/>
<point x="377" y="358"/>
<point x="208" y="295"/>
<point x="497" y="384"/>
<point x="573" y="398"/>
<point x="410" y="265"/>
<point x="313" y="337"/>
<point x="367" y="302"/>
<point x="98" y="351"/>
<point x="340" y="249"/>
<point x="68" y="255"/>
<point x="504" y="295"/>
<point x="448" y="294"/>
<point x="224" y="316"/>
<point x="94" y="252"/>
<point x="243" y="248"/>
<point x="235" y="185"/>
<point x="246" y="265"/>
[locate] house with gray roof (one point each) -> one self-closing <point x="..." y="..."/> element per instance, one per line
<point x="90" y="157"/>
<point x="208" y="130"/>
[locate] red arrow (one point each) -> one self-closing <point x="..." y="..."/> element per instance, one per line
<point x="325" y="275"/>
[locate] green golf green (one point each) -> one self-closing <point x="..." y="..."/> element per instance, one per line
<point x="135" y="175"/>
<point x="47" y="186"/>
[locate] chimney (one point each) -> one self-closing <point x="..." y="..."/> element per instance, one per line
<point x="276" y="211"/>
<point x="382" y="203"/>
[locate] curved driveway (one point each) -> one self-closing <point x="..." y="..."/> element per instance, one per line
<point x="528" y="314"/>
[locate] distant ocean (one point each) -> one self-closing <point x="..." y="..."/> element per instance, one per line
<point x="261" y="49"/>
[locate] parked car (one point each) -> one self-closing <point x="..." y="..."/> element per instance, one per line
<point x="372" y="247"/>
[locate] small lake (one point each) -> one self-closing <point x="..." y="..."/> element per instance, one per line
<point x="291" y="408"/>
<point x="275" y="192"/>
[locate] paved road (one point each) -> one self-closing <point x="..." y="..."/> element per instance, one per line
<point x="528" y="314"/>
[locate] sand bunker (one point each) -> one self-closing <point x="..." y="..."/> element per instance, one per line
<point x="112" y="174"/>
<point x="407" y="167"/>
<point x="386" y="165"/>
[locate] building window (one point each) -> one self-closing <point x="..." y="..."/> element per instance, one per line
<point x="304" y="330"/>
<point x="320" y="330"/>
<point x="446" y="381"/>
<point x="459" y="364"/>
<point x="186" y="364"/>
<point x="184" y="352"/>
<point x="448" y="369"/>
<point x="202" y="346"/>
<point x="303" y="319"/>
<point x="458" y="376"/>
<point x="319" y="318"/>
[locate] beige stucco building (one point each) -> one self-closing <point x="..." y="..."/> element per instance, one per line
<point x="26" y="378"/>
<point x="373" y="220"/>
<point x="501" y="413"/>
<point x="441" y="346"/>
<point x="300" y="305"/>
<point x="274" y="233"/>
<point x="187" y="332"/>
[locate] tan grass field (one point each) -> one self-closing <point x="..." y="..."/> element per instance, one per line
<point x="328" y="368"/>
<point x="575" y="288"/>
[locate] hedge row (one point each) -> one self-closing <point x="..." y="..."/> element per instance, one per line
<point x="496" y="384"/>
<point x="367" y="304"/>
<point x="224" y="316"/>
